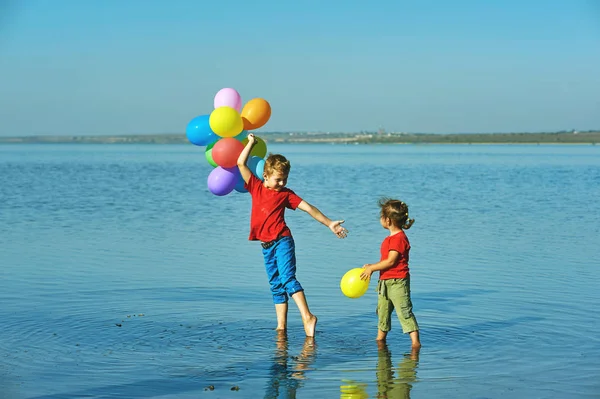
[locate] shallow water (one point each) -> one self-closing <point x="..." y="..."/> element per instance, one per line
<point x="122" y="277"/>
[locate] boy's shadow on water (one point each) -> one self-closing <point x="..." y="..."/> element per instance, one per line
<point x="392" y="382"/>
<point x="287" y="372"/>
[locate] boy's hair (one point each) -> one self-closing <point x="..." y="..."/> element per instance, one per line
<point x="277" y="163"/>
<point x="396" y="211"/>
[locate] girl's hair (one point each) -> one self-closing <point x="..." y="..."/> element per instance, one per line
<point x="277" y="163"/>
<point x="396" y="211"/>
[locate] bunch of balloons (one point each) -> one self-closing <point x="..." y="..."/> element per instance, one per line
<point x="224" y="134"/>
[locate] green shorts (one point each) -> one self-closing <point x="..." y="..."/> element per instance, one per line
<point x="395" y="294"/>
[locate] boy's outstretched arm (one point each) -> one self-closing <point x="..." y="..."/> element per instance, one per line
<point x="243" y="158"/>
<point x="334" y="225"/>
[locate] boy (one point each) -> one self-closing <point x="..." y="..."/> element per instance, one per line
<point x="267" y="224"/>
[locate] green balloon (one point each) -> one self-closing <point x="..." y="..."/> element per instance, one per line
<point x="208" y="154"/>
<point x="259" y="149"/>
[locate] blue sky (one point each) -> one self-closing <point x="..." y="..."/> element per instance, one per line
<point x="72" y="67"/>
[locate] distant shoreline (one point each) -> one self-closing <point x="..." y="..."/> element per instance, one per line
<point x="588" y="137"/>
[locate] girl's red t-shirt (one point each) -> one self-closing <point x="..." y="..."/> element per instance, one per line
<point x="399" y="243"/>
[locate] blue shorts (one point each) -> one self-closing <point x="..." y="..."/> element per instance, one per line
<point x="280" y="263"/>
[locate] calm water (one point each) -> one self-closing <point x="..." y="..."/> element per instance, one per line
<point x="121" y="276"/>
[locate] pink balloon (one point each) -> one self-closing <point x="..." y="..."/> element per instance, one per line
<point x="228" y="97"/>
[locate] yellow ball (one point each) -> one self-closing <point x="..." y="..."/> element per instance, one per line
<point x="353" y="390"/>
<point x="226" y="122"/>
<point x="352" y="286"/>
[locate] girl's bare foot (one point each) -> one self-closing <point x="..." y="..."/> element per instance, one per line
<point x="414" y="353"/>
<point x="381" y="335"/>
<point x="381" y="345"/>
<point x="310" y="326"/>
<point x="414" y="337"/>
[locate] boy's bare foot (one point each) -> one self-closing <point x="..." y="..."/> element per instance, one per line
<point x="281" y="309"/>
<point x="310" y="326"/>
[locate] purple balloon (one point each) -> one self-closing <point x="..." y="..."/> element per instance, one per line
<point x="221" y="181"/>
<point x="228" y="97"/>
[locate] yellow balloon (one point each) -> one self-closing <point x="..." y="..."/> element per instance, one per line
<point x="259" y="149"/>
<point x="352" y="286"/>
<point x="353" y="391"/>
<point x="226" y="122"/>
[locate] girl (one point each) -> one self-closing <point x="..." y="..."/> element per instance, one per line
<point x="394" y="278"/>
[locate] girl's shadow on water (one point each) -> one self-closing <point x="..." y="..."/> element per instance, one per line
<point x="392" y="382"/>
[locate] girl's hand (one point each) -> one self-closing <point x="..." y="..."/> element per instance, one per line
<point x="366" y="274"/>
<point x="338" y="229"/>
<point x="251" y="138"/>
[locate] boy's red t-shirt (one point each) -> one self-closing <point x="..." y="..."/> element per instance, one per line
<point x="398" y="242"/>
<point x="268" y="207"/>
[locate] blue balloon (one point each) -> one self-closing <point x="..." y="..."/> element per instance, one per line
<point x="198" y="131"/>
<point x="242" y="135"/>
<point x="257" y="166"/>
<point x="239" y="186"/>
<point x="260" y="169"/>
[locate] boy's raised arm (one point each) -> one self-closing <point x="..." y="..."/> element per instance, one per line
<point x="243" y="158"/>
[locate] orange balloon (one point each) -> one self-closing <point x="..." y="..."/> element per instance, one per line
<point x="256" y="113"/>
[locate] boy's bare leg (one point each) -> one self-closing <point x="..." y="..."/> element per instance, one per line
<point x="281" y="309"/>
<point x="309" y="319"/>
<point x="414" y="336"/>
<point x="381" y="335"/>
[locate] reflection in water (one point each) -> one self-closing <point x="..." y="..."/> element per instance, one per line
<point x="399" y="386"/>
<point x="353" y="390"/>
<point x="389" y="386"/>
<point x="286" y="378"/>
